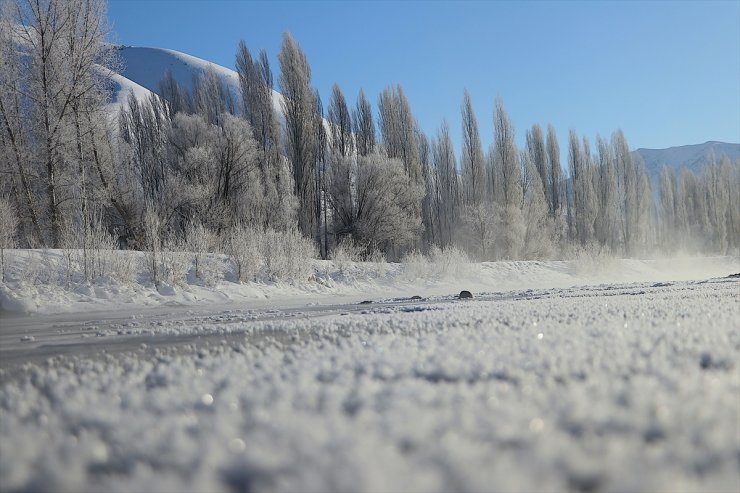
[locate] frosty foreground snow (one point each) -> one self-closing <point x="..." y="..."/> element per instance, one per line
<point x="617" y="387"/>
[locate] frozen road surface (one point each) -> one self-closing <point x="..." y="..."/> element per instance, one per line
<point x="620" y="387"/>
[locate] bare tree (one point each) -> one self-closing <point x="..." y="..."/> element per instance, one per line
<point x="8" y="230"/>
<point x="506" y="157"/>
<point x="555" y="182"/>
<point x="340" y="123"/>
<point x="473" y="163"/>
<point x="301" y="146"/>
<point x="397" y="128"/>
<point x="538" y="155"/>
<point x="363" y="126"/>
<point x="61" y="47"/>
<point x="447" y="189"/>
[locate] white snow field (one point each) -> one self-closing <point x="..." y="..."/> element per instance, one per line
<point x="550" y="379"/>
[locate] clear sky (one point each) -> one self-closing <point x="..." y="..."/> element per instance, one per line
<point x="667" y="73"/>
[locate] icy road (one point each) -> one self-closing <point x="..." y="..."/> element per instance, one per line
<point x="621" y="387"/>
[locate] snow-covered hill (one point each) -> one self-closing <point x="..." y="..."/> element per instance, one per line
<point x="147" y="66"/>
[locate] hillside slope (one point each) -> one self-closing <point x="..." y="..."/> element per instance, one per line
<point x="146" y="67"/>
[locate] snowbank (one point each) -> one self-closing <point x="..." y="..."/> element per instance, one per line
<point x="38" y="281"/>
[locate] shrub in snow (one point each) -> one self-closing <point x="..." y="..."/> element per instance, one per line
<point x="275" y="255"/>
<point x="100" y="257"/>
<point x="199" y="242"/>
<point x="449" y="262"/>
<point x="242" y="243"/>
<point x="174" y="262"/>
<point x="286" y="255"/>
<point x="439" y="263"/>
<point x="153" y="225"/>
<point x="346" y="252"/>
<point x="415" y="265"/>
<point x="8" y="229"/>
<point x="589" y="258"/>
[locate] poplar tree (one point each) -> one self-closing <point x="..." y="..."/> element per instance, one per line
<point x="473" y="162"/>
<point x="299" y="108"/>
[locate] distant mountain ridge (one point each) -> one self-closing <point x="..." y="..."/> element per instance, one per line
<point x="694" y="157"/>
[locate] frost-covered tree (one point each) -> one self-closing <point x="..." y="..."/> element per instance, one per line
<point x="397" y="129"/>
<point x="178" y="98"/>
<point x="555" y="183"/>
<point x="539" y="232"/>
<point x="507" y="186"/>
<point x="584" y="203"/>
<point x="627" y="191"/>
<point x="211" y="97"/>
<point x="605" y="184"/>
<point x="382" y="215"/>
<point x="144" y="128"/>
<point x="667" y="209"/>
<point x="340" y="123"/>
<point x="256" y="90"/>
<point x="387" y="204"/>
<point x="53" y="51"/>
<point x="8" y="230"/>
<point x="730" y="178"/>
<point x="506" y="158"/>
<point x="443" y="155"/>
<point x="363" y="126"/>
<point x="430" y="201"/>
<point x="321" y="152"/>
<point x="299" y="108"/>
<point x="473" y="161"/>
<point x="537" y="152"/>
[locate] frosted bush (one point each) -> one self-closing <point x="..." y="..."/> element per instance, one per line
<point x="242" y="245"/>
<point x="347" y="252"/>
<point x="449" y="262"/>
<point x="8" y="229"/>
<point x="590" y="258"/>
<point x="100" y="257"/>
<point x="199" y="242"/>
<point x="438" y="264"/>
<point x="33" y="267"/>
<point x="415" y="266"/>
<point x="173" y="263"/>
<point x="287" y="255"/>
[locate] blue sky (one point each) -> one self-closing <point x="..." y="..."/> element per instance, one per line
<point x="667" y="73"/>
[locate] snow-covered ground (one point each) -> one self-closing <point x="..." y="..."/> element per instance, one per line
<point x="550" y="379"/>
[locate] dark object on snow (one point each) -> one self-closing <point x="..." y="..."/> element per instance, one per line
<point x="707" y="362"/>
<point x="735" y="275"/>
<point x="366" y="302"/>
<point x="417" y="297"/>
<point x="465" y="295"/>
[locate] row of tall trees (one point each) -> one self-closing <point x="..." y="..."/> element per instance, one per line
<point x="226" y="157"/>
